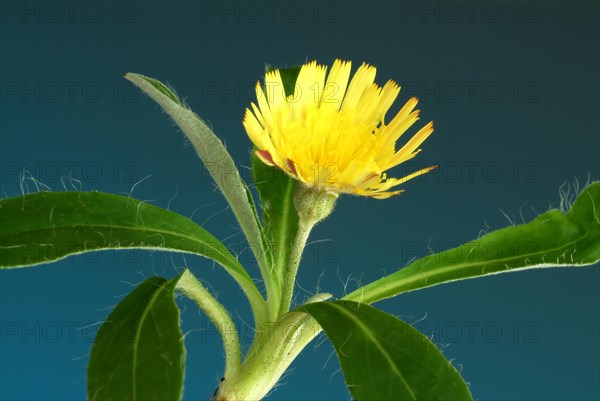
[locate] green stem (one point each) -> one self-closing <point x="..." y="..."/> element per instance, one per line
<point x="273" y="352"/>
<point x="291" y="270"/>
<point x="273" y="297"/>
<point x="313" y="205"/>
<point x="216" y="312"/>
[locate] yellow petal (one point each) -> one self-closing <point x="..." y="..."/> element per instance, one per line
<point x="275" y="92"/>
<point x="335" y="88"/>
<point x="338" y="140"/>
<point x="363" y="78"/>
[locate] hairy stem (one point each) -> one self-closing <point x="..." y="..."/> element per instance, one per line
<point x="291" y="270"/>
<point x="313" y="205"/>
<point x="216" y="312"/>
<point x="275" y="348"/>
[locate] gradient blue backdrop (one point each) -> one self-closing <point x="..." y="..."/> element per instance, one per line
<point x="513" y="88"/>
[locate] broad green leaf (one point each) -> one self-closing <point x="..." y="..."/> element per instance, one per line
<point x="553" y="239"/>
<point x="217" y="160"/>
<point x="138" y="353"/>
<point x="384" y="358"/>
<point x="47" y="226"/>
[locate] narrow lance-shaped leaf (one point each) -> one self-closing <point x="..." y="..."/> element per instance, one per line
<point x="138" y="353"/>
<point x="280" y="218"/>
<point x="276" y="191"/>
<point x="47" y="226"/>
<point x="384" y="358"/>
<point x="217" y="160"/>
<point x="553" y="239"/>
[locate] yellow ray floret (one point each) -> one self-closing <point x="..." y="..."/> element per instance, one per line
<point x="331" y="132"/>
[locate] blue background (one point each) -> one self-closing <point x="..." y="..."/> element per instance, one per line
<point x="513" y="88"/>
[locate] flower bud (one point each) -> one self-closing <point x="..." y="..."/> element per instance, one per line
<point x="313" y="204"/>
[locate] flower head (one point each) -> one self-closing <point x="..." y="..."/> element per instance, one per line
<point x="331" y="132"/>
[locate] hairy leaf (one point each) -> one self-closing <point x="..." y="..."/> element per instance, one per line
<point x="280" y="218"/>
<point x="48" y="226"/>
<point x="215" y="157"/>
<point x="553" y="239"/>
<point x="276" y="191"/>
<point x="384" y="358"/>
<point x="138" y="353"/>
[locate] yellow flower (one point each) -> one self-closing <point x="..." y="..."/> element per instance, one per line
<point x="331" y="134"/>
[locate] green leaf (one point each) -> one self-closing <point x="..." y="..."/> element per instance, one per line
<point x="138" y="353"/>
<point x="276" y="192"/>
<point x="553" y="239"/>
<point x="47" y="226"/>
<point x="280" y="218"/>
<point x="164" y="89"/>
<point x="217" y="160"/>
<point x="288" y="78"/>
<point x="384" y="358"/>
